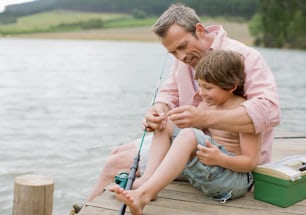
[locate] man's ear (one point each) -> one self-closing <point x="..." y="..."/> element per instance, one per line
<point x="200" y="30"/>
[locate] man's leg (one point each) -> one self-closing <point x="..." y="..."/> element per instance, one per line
<point x="120" y="160"/>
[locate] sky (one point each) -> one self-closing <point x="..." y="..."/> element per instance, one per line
<point x="4" y="3"/>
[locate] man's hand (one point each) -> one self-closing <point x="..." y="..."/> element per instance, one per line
<point x="187" y="116"/>
<point x="156" y="118"/>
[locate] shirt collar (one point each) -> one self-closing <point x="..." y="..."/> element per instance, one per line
<point x="219" y="33"/>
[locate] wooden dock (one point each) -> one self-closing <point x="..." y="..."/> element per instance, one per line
<point x="179" y="198"/>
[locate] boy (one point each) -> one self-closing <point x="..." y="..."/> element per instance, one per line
<point x="217" y="162"/>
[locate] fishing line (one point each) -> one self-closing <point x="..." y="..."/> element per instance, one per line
<point x="134" y="167"/>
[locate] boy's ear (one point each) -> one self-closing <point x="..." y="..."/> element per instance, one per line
<point x="234" y="88"/>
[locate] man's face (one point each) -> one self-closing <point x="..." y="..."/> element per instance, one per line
<point x="185" y="46"/>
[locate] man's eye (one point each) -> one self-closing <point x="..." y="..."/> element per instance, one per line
<point x="182" y="47"/>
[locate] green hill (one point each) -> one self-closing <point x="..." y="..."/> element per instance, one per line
<point x="60" y="20"/>
<point x="109" y="26"/>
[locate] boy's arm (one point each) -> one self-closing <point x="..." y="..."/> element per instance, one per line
<point x="250" y="145"/>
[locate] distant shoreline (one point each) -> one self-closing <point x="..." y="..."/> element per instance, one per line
<point x="238" y="31"/>
<point x="121" y="34"/>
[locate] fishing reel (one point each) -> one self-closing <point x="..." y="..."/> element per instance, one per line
<point x="122" y="179"/>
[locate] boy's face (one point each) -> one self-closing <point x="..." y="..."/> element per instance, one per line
<point x="213" y="94"/>
<point x="185" y="46"/>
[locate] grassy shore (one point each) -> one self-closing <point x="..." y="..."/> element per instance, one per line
<point x="236" y="31"/>
<point x="68" y="25"/>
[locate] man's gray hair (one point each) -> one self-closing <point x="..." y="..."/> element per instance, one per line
<point x="179" y="14"/>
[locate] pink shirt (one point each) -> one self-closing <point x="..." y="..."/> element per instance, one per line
<point x="262" y="103"/>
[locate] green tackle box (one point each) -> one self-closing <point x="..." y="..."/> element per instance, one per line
<point x="281" y="183"/>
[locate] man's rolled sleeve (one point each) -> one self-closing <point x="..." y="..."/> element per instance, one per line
<point x="262" y="104"/>
<point x="264" y="113"/>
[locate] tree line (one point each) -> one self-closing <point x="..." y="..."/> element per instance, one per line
<point x="273" y="23"/>
<point x="240" y="8"/>
<point x="280" y="23"/>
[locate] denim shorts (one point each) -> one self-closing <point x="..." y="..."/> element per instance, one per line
<point x="216" y="182"/>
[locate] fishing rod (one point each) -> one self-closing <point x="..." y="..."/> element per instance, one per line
<point x="134" y="167"/>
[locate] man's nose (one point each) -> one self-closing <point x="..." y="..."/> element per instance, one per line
<point x="181" y="56"/>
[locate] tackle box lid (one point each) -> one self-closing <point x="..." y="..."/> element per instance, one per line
<point x="290" y="168"/>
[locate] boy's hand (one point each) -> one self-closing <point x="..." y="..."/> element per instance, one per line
<point x="209" y="154"/>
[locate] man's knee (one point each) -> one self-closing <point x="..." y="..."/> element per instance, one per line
<point x="123" y="148"/>
<point x="121" y="160"/>
<point x="115" y="150"/>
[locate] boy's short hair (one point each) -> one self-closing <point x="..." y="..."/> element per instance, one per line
<point x="223" y="68"/>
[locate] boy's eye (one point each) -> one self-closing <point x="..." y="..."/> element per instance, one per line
<point x="205" y="87"/>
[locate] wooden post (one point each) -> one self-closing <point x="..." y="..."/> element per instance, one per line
<point x="33" y="195"/>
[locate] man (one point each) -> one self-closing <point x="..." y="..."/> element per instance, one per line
<point x="187" y="39"/>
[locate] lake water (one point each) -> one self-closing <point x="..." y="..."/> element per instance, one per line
<point x="64" y="104"/>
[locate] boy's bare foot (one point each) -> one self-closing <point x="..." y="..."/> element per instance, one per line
<point x="138" y="182"/>
<point x="131" y="198"/>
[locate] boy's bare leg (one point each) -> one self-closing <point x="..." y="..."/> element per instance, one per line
<point x="159" y="148"/>
<point x="181" y="151"/>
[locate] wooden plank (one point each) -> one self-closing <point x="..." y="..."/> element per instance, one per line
<point x="180" y="198"/>
<point x="246" y="202"/>
<point x="278" y="134"/>
<point x="286" y="147"/>
<point x="182" y="202"/>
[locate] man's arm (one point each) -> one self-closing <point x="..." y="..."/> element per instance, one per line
<point x="236" y="119"/>
<point x="262" y="104"/>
